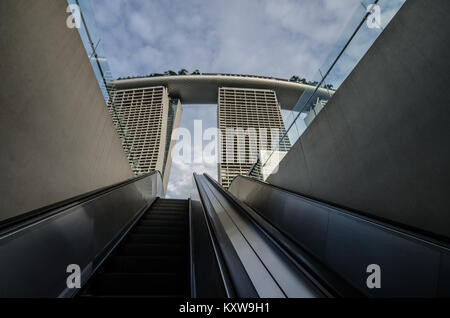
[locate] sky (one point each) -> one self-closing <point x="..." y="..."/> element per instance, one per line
<point x="180" y="180"/>
<point x="259" y="37"/>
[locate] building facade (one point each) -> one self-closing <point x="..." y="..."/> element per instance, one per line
<point x="250" y="123"/>
<point x="147" y="109"/>
<point x="145" y="119"/>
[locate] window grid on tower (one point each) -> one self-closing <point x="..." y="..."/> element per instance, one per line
<point x="247" y="108"/>
<point x="138" y="116"/>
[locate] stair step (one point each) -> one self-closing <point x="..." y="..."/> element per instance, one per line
<point x="155" y="238"/>
<point x="168" y="202"/>
<point x="174" y="203"/>
<point x="163" y="203"/>
<point x="159" y="230"/>
<point x="138" y="284"/>
<point x="145" y="264"/>
<point x="168" y="222"/>
<point x="153" y="260"/>
<point x="164" y="217"/>
<point x="133" y="249"/>
<point x="173" y="227"/>
<point x="168" y="212"/>
<point x="171" y="200"/>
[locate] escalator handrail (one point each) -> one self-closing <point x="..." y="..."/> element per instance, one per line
<point x="58" y="207"/>
<point x="232" y="285"/>
<point x="330" y="284"/>
<point x="329" y="239"/>
<point x="422" y="235"/>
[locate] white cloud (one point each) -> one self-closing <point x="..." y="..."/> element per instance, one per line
<point x="261" y="37"/>
<point x="275" y="38"/>
<point x="180" y="180"/>
<point x="181" y="177"/>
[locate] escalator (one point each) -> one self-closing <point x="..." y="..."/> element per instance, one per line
<point x="252" y="240"/>
<point x="152" y="260"/>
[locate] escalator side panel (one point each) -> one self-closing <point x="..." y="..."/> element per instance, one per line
<point x="411" y="266"/>
<point x="35" y="258"/>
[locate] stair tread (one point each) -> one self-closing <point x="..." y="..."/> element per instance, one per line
<point x="139" y="283"/>
<point x="153" y="260"/>
<point x="154" y="238"/>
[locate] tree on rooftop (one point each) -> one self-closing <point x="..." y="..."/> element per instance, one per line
<point x="170" y="73"/>
<point x="297" y="79"/>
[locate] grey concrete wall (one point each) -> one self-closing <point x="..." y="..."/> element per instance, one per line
<point x="57" y="138"/>
<point x="381" y="145"/>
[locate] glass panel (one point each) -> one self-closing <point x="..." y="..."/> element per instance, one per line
<point x="93" y="45"/>
<point x="356" y="38"/>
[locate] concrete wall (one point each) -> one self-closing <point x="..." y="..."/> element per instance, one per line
<point x="57" y="138"/>
<point x="381" y="145"/>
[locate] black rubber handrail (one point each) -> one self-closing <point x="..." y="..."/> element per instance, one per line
<point x="235" y="278"/>
<point x="399" y="227"/>
<point x="324" y="272"/>
<point x="192" y="287"/>
<point x="62" y="205"/>
<point x="328" y="283"/>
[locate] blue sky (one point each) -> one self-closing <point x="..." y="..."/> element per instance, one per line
<point x="181" y="173"/>
<point x="260" y="37"/>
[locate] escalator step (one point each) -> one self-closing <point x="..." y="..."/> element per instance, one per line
<point x="155" y="238"/>
<point x="169" y="203"/>
<point x="153" y="260"/>
<point x="172" y="200"/>
<point x="159" y="230"/>
<point x="170" y="212"/>
<point x="152" y="249"/>
<point x="145" y="264"/>
<point x="169" y="227"/>
<point x="127" y="284"/>
<point x="168" y="222"/>
<point x="177" y="206"/>
<point x="163" y="217"/>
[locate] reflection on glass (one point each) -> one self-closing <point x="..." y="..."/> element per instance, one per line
<point x="93" y="45"/>
<point x="355" y="40"/>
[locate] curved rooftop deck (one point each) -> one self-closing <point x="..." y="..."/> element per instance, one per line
<point x="202" y="89"/>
